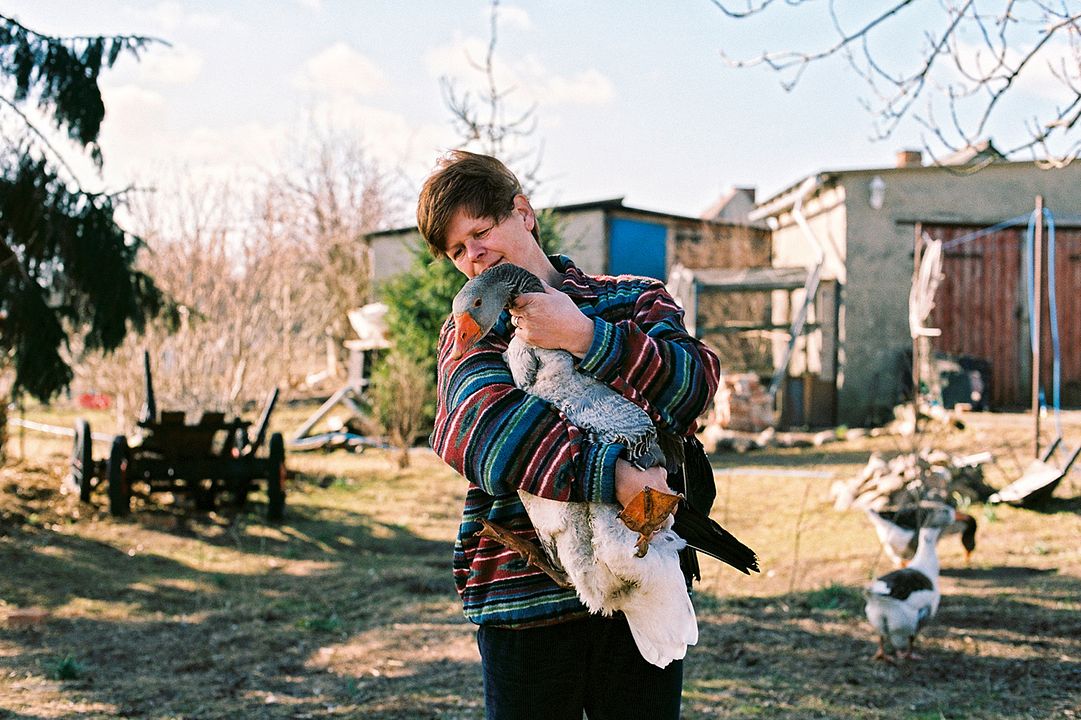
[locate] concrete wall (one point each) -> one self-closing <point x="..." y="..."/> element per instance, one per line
<point x="584" y="239"/>
<point x="815" y="351"/>
<point x="391" y="255"/>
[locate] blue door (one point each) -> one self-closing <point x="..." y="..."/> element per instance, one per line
<point x="636" y="248"/>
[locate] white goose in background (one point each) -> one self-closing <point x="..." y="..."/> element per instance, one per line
<point x="902" y="602"/>
<point x="897" y="529"/>
<point x="588" y="541"/>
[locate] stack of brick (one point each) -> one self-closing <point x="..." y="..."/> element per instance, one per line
<point x="741" y="403"/>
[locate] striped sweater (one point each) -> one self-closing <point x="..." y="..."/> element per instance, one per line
<point x="502" y="439"/>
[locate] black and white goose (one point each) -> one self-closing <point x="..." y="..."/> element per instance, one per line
<point x="588" y="541"/>
<point x="897" y="529"/>
<point x="902" y="602"/>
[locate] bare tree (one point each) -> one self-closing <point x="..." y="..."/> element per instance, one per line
<point x="325" y="203"/>
<point x="228" y="323"/>
<point x="400" y="394"/>
<point x="403" y="382"/>
<point x="264" y="283"/>
<point x="486" y="121"/>
<point x="971" y="58"/>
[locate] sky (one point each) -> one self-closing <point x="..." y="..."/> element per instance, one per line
<point x="631" y="98"/>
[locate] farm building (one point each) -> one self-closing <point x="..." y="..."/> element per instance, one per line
<point x="608" y="237"/>
<point x="850" y="365"/>
<point x="741" y="272"/>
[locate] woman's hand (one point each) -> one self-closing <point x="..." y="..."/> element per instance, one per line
<point x="630" y="481"/>
<point x="550" y="319"/>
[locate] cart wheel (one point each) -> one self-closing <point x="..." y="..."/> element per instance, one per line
<point x="119" y="490"/>
<point x="82" y="460"/>
<point x="275" y="484"/>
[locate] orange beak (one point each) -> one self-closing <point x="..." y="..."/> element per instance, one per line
<point x="466" y="334"/>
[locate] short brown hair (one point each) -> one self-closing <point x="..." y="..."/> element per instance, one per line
<point x="479" y="184"/>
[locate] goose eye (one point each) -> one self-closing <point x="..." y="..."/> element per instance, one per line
<point x="477" y="302"/>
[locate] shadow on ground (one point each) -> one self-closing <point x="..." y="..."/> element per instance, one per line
<point x="807" y="655"/>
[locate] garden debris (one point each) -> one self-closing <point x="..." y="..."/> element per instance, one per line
<point x="716" y="439"/>
<point x="932" y="418"/>
<point x="742" y="404"/>
<point x="929" y="474"/>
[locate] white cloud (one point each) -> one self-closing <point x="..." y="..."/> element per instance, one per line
<point x="527" y="75"/>
<point x="132" y="112"/>
<point x="178" y="65"/>
<point x="235" y="148"/>
<point x="515" y="17"/>
<point x="589" y="87"/>
<point x="173" y="14"/>
<point x="391" y="138"/>
<point x="316" y="5"/>
<point x="456" y="59"/>
<point x="341" y="69"/>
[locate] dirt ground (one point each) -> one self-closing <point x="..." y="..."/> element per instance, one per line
<point x="347" y="609"/>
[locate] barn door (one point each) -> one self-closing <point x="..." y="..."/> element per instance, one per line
<point x="982" y="311"/>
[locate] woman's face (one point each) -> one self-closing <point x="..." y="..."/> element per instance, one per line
<point x="476" y="244"/>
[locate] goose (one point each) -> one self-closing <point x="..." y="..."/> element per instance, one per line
<point x="902" y="602"/>
<point x="897" y="529"/>
<point x="587" y="545"/>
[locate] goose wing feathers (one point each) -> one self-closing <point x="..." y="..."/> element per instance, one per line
<point x="593" y="406"/>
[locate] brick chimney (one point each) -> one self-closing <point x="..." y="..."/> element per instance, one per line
<point x="909" y="158"/>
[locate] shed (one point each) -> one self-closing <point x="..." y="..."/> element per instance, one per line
<point x="865" y="220"/>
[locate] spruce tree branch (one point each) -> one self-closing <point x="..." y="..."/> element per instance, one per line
<point x="44" y="141"/>
<point x="9" y="256"/>
<point x="136" y="39"/>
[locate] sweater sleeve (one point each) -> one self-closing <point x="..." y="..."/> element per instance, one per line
<point x="503" y="439"/>
<point x="650" y="359"/>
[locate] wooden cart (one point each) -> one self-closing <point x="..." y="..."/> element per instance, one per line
<point x="201" y="460"/>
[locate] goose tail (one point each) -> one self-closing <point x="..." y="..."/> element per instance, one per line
<point x="662" y="624"/>
<point x="707" y="536"/>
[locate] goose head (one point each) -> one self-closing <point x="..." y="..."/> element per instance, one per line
<point x="967" y="525"/>
<point x="481" y="301"/>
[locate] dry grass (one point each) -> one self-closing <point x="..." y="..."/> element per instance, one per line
<point x="347" y="608"/>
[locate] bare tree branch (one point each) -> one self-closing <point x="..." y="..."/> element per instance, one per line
<point x="496" y="131"/>
<point x="992" y="52"/>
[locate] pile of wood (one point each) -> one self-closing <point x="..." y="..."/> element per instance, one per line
<point x="927" y="475"/>
<point x="742" y="404"/>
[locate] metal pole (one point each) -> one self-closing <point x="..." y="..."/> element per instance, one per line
<point x="917" y="251"/>
<point x="1037" y="273"/>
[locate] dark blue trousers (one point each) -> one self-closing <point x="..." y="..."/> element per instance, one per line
<point x="559" y="671"/>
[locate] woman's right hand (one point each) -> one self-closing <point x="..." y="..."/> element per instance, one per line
<point x="630" y="481"/>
